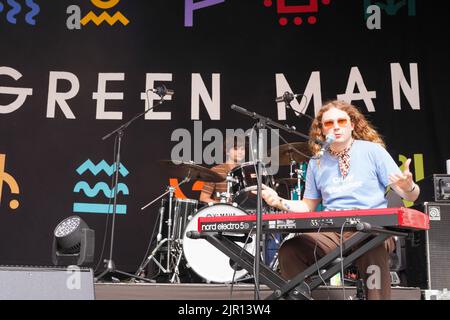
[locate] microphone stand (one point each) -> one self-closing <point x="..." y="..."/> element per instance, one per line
<point x="298" y="114"/>
<point x="261" y="125"/>
<point x="110" y="265"/>
<point x="270" y="122"/>
<point x="263" y="122"/>
<point x="287" y="98"/>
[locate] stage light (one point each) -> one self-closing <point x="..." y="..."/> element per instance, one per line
<point x="73" y="243"/>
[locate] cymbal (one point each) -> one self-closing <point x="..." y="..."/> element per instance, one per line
<point x="295" y="151"/>
<point x="180" y="169"/>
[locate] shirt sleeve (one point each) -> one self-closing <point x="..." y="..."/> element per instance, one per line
<point x="311" y="189"/>
<point x="208" y="189"/>
<point x="385" y="165"/>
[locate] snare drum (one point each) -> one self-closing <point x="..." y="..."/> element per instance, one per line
<point x="206" y="260"/>
<point x="245" y="180"/>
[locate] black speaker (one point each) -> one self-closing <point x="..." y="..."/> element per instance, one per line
<point x="44" y="283"/>
<point x="428" y="252"/>
<point x="441" y="187"/>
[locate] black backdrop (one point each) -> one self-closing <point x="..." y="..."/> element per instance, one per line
<point x="240" y="43"/>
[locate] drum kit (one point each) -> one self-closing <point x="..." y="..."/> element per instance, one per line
<point x="175" y="253"/>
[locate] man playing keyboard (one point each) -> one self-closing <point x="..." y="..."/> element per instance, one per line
<point x="353" y="173"/>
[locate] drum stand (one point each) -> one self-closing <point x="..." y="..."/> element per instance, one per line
<point x="173" y="244"/>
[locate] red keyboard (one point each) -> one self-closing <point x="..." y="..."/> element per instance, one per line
<point x="395" y="218"/>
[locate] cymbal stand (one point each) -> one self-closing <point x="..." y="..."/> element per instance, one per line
<point x="300" y="177"/>
<point x="291" y="175"/>
<point x="176" y="271"/>
<point x="292" y="171"/>
<point x="170" y="236"/>
<point x="295" y="168"/>
<point x="229" y="194"/>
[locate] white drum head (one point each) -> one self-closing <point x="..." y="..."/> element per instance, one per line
<point x="205" y="259"/>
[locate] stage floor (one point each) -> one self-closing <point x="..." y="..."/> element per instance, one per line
<point x="163" y="291"/>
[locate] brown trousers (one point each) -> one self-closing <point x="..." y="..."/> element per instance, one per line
<point x="297" y="254"/>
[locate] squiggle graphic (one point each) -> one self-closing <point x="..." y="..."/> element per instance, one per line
<point x="35" y="9"/>
<point x="17" y="8"/>
<point x="91" y="192"/>
<point x="95" y="169"/>
<point x="101" y="186"/>
<point x="118" y="16"/>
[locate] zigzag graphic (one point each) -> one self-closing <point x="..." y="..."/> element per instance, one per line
<point x="101" y="186"/>
<point x="17" y="8"/>
<point x="102" y="166"/>
<point x="118" y="16"/>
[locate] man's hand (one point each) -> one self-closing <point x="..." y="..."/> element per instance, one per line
<point x="270" y="196"/>
<point x="403" y="181"/>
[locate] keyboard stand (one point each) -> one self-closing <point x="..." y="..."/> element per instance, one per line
<point x="297" y="288"/>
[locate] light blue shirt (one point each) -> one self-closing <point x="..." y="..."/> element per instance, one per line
<point x="365" y="184"/>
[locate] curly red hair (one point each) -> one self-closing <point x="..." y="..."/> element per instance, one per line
<point x="363" y="129"/>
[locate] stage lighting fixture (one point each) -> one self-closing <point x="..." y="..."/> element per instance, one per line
<point x="73" y="243"/>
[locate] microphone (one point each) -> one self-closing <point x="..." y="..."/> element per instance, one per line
<point x="329" y="139"/>
<point x="287" y="97"/>
<point x="162" y="91"/>
<point x="239" y="109"/>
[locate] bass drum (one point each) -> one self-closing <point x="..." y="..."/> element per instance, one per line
<point x="206" y="260"/>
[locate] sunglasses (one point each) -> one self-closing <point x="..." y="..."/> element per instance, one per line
<point x="342" y="122"/>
